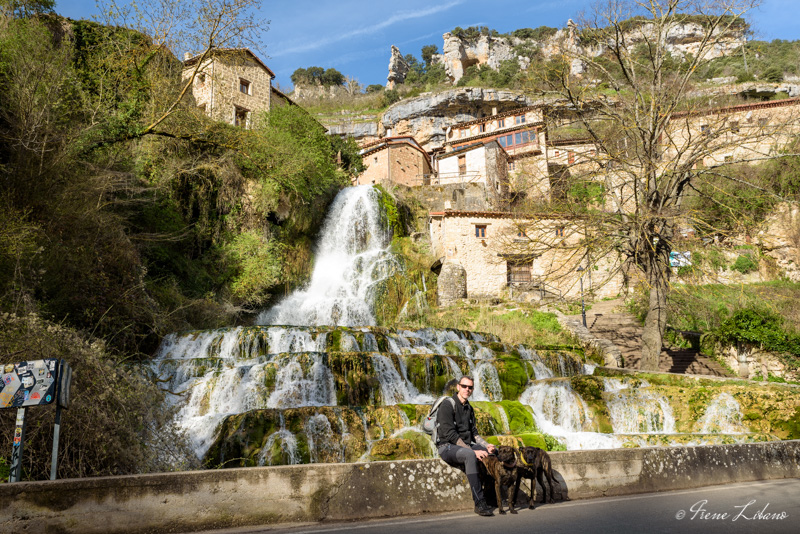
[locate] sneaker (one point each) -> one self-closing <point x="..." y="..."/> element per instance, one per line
<point x="481" y="508"/>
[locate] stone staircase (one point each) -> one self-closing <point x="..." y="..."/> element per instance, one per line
<point x="608" y="320"/>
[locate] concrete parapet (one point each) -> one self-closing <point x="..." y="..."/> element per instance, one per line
<point x="174" y="502"/>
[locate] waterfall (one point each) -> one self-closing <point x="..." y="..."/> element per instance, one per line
<point x="288" y="447"/>
<point x="640" y="411"/>
<point x="723" y="416"/>
<point x="323" y="444"/>
<point x="395" y="389"/>
<point x="351" y="258"/>
<point x="294" y="387"/>
<point x="562" y="413"/>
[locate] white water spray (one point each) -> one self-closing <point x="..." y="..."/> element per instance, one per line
<point x="352" y="257"/>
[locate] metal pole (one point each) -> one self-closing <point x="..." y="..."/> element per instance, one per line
<point x="56" y="432"/>
<point x="583" y="306"/>
<point x="16" y="452"/>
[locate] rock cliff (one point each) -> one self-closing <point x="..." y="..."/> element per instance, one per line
<point x="460" y="53"/>
<point x="428" y="116"/>
<point x="398" y="69"/>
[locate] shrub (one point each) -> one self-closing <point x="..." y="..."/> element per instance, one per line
<point x="390" y="96"/>
<point x="116" y="423"/>
<point x="744" y="264"/>
<point x="374" y="88"/>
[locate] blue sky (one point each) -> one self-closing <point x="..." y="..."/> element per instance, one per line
<point x="355" y="36"/>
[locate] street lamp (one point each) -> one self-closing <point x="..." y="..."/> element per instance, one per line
<point x="583" y="306"/>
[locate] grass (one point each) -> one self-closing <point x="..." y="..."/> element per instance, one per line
<point x="516" y="325"/>
<point x="702" y="308"/>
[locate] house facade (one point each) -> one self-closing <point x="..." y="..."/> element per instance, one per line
<point x="746" y="132"/>
<point x="517" y="131"/>
<point x="395" y="160"/>
<point x="502" y="254"/>
<point x="231" y="85"/>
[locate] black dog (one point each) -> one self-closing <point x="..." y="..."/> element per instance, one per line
<point x="535" y="463"/>
<point x="503" y="469"/>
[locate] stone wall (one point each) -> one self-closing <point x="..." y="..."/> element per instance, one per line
<point x="461" y="197"/>
<point x="180" y="502"/>
<point x="216" y="88"/>
<point x="395" y="163"/>
<point x="552" y="245"/>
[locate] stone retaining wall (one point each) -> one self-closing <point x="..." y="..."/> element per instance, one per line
<point x="176" y="502"/>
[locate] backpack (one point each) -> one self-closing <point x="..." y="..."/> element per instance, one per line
<point x="429" y="424"/>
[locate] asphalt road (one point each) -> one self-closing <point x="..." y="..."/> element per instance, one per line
<point x="753" y="507"/>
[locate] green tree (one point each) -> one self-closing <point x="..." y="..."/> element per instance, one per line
<point x="428" y="51"/>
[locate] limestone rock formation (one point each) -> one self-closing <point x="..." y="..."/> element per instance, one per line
<point x="428" y="116"/>
<point x="461" y="53"/>
<point x="452" y="283"/>
<point x="398" y="69"/>
<point x="780" y="239"/>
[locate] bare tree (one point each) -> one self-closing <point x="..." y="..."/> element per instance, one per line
<point x="628" y="88"/>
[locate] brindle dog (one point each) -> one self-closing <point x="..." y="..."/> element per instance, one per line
<point x="535" y="463"/>
<point x="503" y="469"/>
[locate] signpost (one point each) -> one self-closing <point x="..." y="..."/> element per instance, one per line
<point x="34" y="383"/>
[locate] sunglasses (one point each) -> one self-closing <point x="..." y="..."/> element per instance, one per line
<point x="467" y="387"/>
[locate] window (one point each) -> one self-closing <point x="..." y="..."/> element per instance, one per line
<point x="519" y="119"/>
<point x="241" y="117"/>
<point x="571" y="157"/>
<point x="201" y="78"/>
<point x="518" y="272"/>
<point x="481" y="128"/>
<point x="558" y="153"/>
<point x="512" y="165"/>
<point x="244" y="86"/>
<point x="521" y="234"/>
<point x="463" y="132"/>
<point x="202" y="108"/>
<point x="728" y="159"/>
<point x="704" y="129"/>
<point x="559" y="231"/>
<point x="763" y="121"/>
<point x="480" y="231"/>
<point x="462" y="165"/>
<point x="501" y="123"/>
<point x="735" y="126"/>
<point x="376" y="159"/>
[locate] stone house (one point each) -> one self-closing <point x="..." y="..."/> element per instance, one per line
<point x="517" y="131"/>
<point x="746" y="132"/>
<point x="484" y="163"/>
<point x="231" y="85"/>
<point x="494" y="254"/>
<point x="395" y="160"/>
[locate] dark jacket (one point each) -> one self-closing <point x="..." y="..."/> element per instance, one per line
<point x="454" y="423"/>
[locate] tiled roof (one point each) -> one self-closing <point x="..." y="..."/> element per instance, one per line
<point x="215" y="51"/>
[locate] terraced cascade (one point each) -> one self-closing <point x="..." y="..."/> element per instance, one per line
<point x="332" y="387"/>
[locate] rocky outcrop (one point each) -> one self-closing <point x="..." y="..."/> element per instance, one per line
<point x="428" y="116"/>
<point x="452" y="284"/>
<point x="398" y="69"/>
<point x="780" y="239"/>
<point x="458" y="54"/>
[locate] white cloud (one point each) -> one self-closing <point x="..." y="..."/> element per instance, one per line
<point x="394" y="19"/>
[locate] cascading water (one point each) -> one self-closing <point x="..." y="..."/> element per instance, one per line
<point x="322" y="379"/>
<point x="352" y="257"/>
<point x="723" y="416"/>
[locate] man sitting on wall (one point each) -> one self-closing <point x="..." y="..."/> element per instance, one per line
<point x="458" y="441"/>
